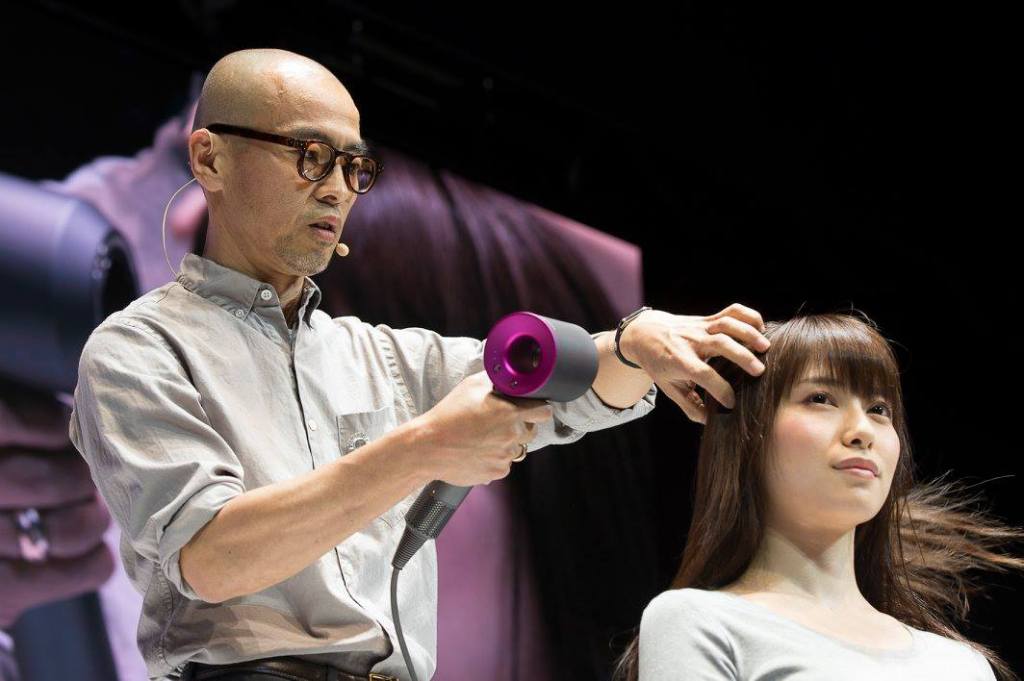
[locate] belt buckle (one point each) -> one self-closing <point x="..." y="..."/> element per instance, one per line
<point x="382" y="677"/>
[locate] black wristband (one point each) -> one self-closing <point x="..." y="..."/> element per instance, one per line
<point x="623" y="323"/>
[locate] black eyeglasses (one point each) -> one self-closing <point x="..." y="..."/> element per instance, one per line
<point x="316" y="158"/>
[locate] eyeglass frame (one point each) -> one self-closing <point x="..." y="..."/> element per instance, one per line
<point x="302" y="146"/>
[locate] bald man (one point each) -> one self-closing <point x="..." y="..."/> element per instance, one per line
<point x="259" y="455"/>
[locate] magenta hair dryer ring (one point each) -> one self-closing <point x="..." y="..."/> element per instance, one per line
<point x="529" y="355"/>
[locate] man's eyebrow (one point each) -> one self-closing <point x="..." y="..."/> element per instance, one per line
<point x="303" y="133"/>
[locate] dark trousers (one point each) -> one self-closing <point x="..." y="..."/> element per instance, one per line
<point x="273" y="669"/>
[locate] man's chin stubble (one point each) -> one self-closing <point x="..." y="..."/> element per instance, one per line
<point x="305" y="261"/>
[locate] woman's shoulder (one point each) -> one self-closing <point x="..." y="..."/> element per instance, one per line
<point x="677" y="598"/>
<point x="957" y="654"/>
<point x="689" y="599"/>
<point x="677" y="609"/>
<point x="679" y="631"/>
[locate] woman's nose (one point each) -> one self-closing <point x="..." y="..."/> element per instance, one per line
<point x="859" y="429"/>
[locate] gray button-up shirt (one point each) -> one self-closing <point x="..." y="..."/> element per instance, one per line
<point x="197" y="391"/>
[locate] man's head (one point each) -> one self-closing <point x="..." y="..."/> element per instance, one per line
<point x="260" y="206"/>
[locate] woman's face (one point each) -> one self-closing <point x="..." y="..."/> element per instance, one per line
<point x="824" y="441"/>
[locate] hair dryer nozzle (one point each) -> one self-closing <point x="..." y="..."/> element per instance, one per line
<point x="529" y="355"/>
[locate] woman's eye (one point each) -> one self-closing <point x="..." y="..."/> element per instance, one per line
<point x="826" y="398"/>
<point x="886" y="410"/>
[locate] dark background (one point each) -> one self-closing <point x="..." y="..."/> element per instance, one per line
<point x="779" y="158"/>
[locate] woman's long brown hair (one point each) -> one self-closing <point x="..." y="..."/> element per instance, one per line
<point x="914" y="560"/>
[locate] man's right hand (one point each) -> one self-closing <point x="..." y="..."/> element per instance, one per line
<point x="473" y="434"/>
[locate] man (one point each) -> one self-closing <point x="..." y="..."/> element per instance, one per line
<point x="259" y="455"/>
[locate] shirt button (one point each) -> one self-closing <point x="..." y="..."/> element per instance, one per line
<point x="355" y="442"/>
<point x="239" y="313"/>
<point x="265" y="294"/>
<point x="312" y="424"/>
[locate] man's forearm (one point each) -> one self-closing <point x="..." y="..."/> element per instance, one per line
<point x="617" y="384"/>
<point x="268" y="534"/>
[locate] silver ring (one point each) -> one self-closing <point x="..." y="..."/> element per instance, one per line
<point x="35" y="548"/>
<point x="522" y="453"/>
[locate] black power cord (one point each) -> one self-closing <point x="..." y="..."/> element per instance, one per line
<point x="398" y="624"/>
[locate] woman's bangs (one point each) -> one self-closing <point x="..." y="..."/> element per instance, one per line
<point x="851" y="354"/>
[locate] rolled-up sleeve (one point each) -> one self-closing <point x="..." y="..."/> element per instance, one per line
<point x="430" y="365"/>
<point x="140" y="425"/>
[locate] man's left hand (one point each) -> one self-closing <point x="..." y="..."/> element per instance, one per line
<point x="673" y="350"/>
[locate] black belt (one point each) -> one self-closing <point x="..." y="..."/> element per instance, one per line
<point x="290" y="668"/>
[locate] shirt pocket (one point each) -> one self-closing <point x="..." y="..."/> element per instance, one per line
<point x="359" y="428"/>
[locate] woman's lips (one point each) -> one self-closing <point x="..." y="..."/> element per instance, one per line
<point x="860" y="472"/>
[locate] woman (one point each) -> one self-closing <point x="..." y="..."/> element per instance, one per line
<point x="811" y="554"/>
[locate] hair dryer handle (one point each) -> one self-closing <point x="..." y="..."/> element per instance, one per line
<point x="427" y="516"/>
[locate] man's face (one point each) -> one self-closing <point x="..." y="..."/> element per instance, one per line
<point x="267" y="207"/>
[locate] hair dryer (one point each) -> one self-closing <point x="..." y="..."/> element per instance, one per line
<point x="525" y="355"/>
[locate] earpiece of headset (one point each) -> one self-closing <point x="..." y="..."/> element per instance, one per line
<point x="163" y="226"/>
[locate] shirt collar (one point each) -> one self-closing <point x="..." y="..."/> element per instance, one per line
<point x="235" y="291"/>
